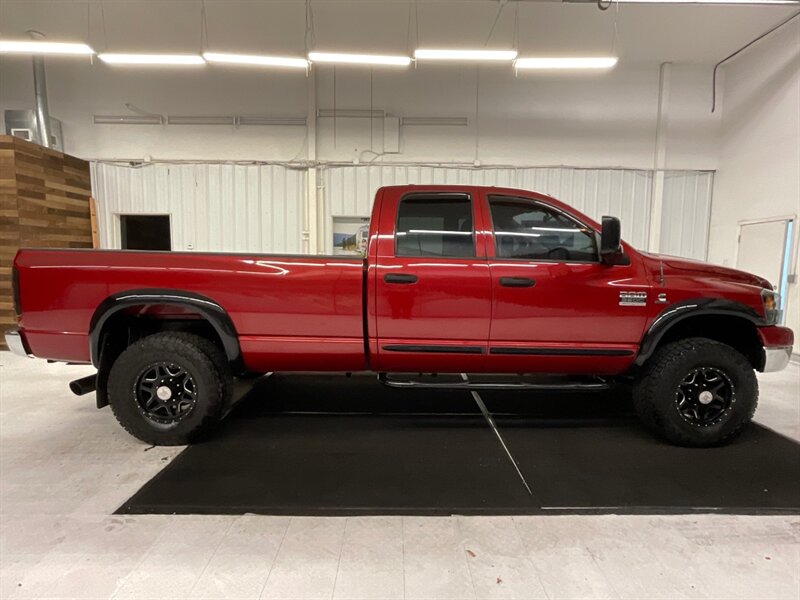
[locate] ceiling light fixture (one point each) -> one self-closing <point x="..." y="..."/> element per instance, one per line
<point x="274" y="121"/>
<point x="182" y="120"/>
<point x="594" y="62"/>
<point x="256" y="60"/>
<point x="41" y="47"/>
<point x="128" y="120"/>
<point x="152" y="59"/>
<point x="467" y="55"/>
<point x="434" y="121"/>
<point x="351" y="113"/>
<point x="359" y="59"/>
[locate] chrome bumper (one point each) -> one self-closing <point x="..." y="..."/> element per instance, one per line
<point x="15" y="343"/>
<point x="776" y="358"/>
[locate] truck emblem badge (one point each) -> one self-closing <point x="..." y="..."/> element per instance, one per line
<point x="632" y="298"/>
<point x="662" y="298"/>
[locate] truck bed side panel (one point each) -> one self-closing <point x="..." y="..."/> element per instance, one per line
<point x="290" y="312"/>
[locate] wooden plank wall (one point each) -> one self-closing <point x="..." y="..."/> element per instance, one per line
<point x="44" y="203"/>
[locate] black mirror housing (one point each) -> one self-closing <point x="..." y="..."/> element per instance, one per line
<point x="611" y="243"/>
<point x="610" y="236"/>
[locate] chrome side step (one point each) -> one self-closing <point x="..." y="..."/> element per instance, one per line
<point x="564" y="385"/>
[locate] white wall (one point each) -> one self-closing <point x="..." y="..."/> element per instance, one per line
<point x="587" y="120"/>
<point x="605" y="119"/>
<point x="212" y="208"/>
<point x="625" y="193"/>
<point x="759" y="160"/>
<point x="260" y="208"/>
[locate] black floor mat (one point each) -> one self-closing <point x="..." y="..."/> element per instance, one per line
<point x="330" y="445"/>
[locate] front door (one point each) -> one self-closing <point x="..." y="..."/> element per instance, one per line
<point x="432" y="289"/>
<point x="556" y="308"/>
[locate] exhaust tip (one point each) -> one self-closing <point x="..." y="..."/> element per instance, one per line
<point x="84" y="385"/>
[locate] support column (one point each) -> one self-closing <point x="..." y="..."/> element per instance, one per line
<point x="311" y="234"/>
<point x="659" y="157"/>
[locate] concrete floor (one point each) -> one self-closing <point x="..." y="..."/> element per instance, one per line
<point x="65" y="467"/>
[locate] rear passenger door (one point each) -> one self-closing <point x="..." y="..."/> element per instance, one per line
<point x="432" y="288"/>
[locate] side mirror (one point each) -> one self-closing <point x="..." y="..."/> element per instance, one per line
<point x="610" y="247"/>
<point x="610" y="236"/>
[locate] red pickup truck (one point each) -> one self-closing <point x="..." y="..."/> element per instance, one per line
<point x="456" y="279"/>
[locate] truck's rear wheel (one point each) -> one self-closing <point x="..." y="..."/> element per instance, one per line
<point x="696" y="392"/>
<point x="169" y="388"/>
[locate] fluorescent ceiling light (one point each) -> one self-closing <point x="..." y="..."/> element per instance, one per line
<point x="295" y="121"/>
<point x="253" y="59"/>
<point x="434" y="121"/>
<point x="128" y="120"/>
<point x="434" y="54"/>
<point x="41" y="47"/>
<point x="351" y="113"/>
<point x="359" y="59"/>
<point x="178" y="120"/>
<point x="152" y="59"/>
<point x="595" y="62"/>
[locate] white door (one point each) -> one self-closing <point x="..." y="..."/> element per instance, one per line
<point x="765" y="250"/>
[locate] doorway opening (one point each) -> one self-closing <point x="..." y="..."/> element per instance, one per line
<point x="145" y="232"/>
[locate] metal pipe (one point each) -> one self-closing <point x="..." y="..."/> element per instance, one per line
<point x="742" y="49"/>
<point x="84" y="385"/>
<point x="40" y="94"/>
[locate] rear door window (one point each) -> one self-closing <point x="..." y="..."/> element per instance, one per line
<point x="435" y="226"/>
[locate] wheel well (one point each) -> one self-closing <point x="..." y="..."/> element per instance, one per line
<point x="737" y="332"/>
<point x="126" y="326"/>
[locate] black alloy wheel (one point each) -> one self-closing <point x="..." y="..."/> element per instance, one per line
<point x="704" y="396"/>
<point x="165" y="392"/>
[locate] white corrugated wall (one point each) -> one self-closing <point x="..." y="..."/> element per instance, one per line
<point x="213" y="207"/>
<point x="686" y="213"/>
<point x="259" y="208"/>
<point x="596" y="192"/>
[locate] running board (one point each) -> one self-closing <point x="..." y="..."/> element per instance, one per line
<point x="567" y="384"/>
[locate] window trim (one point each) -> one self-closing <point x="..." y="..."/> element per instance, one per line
<point x="446" y="196"/>
<point x="537" y="202"/>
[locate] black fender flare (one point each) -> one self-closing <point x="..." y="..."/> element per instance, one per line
<point x="680" y="311"/>
<point x="206" y="307"/>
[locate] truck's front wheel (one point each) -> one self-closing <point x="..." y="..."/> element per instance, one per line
<point x="167" y="389"/>
<point x="696" y="392"/>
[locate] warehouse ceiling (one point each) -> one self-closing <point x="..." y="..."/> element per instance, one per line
<point x="686" y="33"/>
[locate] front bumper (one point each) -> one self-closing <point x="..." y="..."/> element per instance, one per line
<point x="777" y="345"/>
<point x="16" y="343"/>
<point x="776" y="358"/>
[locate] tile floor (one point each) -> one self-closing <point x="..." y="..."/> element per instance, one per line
<point x="65" y="467"/>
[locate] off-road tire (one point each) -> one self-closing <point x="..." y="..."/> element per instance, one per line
<point x="216" y="354"/>
<point x="656" y="389"/>
<point x="199" y="357"/>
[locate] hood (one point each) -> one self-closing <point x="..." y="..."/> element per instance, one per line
<point x="674" y="265"/>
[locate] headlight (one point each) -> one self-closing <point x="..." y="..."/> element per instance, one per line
<point x="772" y="302"/>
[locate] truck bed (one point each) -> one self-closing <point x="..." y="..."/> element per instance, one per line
<point x="290" y="312"/>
